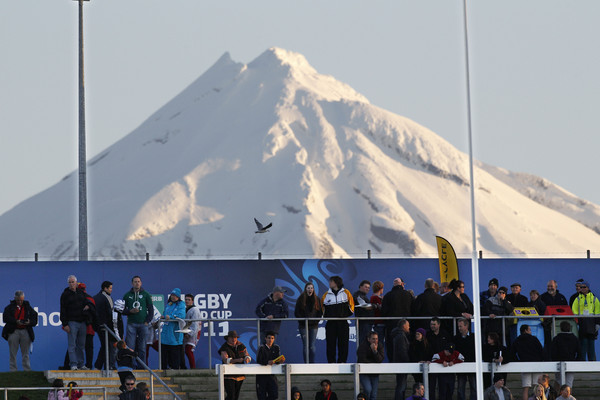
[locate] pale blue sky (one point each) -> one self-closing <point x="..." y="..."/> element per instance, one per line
<point x="535" y="79"/>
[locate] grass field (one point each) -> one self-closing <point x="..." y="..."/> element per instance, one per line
<point x="24" y="379"/>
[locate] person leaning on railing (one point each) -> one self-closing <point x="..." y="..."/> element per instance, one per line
<point x="233" y="352"/>
<point x="587" y="304"/>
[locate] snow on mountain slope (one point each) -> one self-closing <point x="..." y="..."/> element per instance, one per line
<point x="275" y="140"/>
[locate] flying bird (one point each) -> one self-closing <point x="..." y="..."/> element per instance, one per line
<point x="261" y="228"/>
<point x="184" y="327"/>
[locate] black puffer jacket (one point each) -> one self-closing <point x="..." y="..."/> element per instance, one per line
<point x="71" y="306"/>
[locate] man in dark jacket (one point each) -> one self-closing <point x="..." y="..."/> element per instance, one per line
<point x="19" y="319"/>
<point x="273" y="308"/>
<point x="427" y="304"/>
<point x="370" y="351"/>
<point x="566" y="347"/>
<point x="437" y="339"/>
<point x="464" y="343"/>
<point x="131" y="392"/>
<point x="494" y="307"/>
<point x="73" y="314"/>
<point x="401" y="355"/>
<point x="104" y="310"/>
<point x="515" y="297"/>
<point x="362" y="309"/>
<point x="396" y="303"/>
<point x="527" y="348"/>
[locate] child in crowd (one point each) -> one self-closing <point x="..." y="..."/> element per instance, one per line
<point x="326" y="393"/>
<point x="125" y="360"/>
<point x="74" y="394"/>
<point x="57" y="394"/>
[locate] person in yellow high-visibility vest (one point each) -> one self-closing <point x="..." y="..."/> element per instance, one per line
<point x="587" y="304"/>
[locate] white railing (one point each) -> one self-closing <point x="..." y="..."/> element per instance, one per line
<point x="396" y="368"/>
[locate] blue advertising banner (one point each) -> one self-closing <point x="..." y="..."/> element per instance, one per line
<point x="225" y="290"/>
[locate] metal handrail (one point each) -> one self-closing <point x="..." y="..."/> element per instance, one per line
<point x="143" y="364"/>
<point x="56" y="389"/>
<point x="210" y="322"/>
<point x="394" y="368"/>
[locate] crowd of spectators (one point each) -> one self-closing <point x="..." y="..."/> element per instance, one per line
<point x="387" y="329"/>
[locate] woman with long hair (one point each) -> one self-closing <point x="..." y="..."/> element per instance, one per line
<point x="419" y="351"/>
<point x="538" y="393"/>
<point x="493" y="351"/>
<point x="456" y="304"/>
<point x="308" y="305"/>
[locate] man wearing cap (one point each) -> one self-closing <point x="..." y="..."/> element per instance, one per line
<point x="577" y="291"/>
<point x="494" y="307"/>
<point x="273" y="308"/>
<point x="587" y="304"/>
<point x="233" y="352"/>
<point x="515" y="297"/>
<point x="491" y="292"/>
<point x="448" y="357"/>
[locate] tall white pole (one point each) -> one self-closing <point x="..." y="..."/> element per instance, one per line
<point x="83" y="234"/>
<point x="474" y="259"/>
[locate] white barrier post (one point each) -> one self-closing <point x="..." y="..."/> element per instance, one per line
<point x="425" y="369"/>
<point x="221" y="382"/>
<point x="356" y="380"/>
<point x="288" y="381"/>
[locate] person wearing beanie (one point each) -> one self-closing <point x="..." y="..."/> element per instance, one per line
<point x="574" y="295"/>
<point x="491" y="292"/>
<point x="587" y="305"/>
<point x="497" y="391"/>
<point x="494" y="307"/>
<point x="419" y="351"/>
<point x="172" y="340"/>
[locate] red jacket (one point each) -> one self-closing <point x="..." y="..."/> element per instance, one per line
<point x="455" y="357"/>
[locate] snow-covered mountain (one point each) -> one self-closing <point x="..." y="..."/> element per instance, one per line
<point x="278" y="141"/>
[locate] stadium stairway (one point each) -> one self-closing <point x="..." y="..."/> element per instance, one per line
<point x="94" y="378"/>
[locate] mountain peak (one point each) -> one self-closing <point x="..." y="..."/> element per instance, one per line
<point x="276" y="57"/>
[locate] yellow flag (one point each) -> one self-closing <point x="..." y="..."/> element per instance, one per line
<point x="447" y="256"/>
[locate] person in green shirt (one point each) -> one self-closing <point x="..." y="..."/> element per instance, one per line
<point x="139" y="311"/>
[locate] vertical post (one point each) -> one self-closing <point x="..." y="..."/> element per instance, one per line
<point x="480" y="254"/>
<point x="6" y="394"/>
<point x="104" y="392"/>
<point x="83" y="234"/>
<point x="369" y="253"/>
<point x="258" y="334"/>
<point x="356" y="379"/>
<point x="563" y="373"/>
<point x="159" y="345"/>
<point x="288" y="381"/>
<point x="210" y="325"/>
<point x="151" y="386"/>
<point x="221" y="382"/>
<point x="147" y="256"/>
<point x="588" y="256"/>
<point x="503" y="332"/>
<point x="425" y="369"/>
<point x="36" y="256"/>
<point x="106" y="359"/>
<point x="306" y="341"/>
<point x="357" y="335"/>
<point x="259" y="255"/>
<point x="553" y="327"/>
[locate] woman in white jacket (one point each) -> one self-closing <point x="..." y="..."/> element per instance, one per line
<point x="191" y="339"/>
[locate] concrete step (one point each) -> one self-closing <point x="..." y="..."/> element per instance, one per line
<point x="94" y="379"/>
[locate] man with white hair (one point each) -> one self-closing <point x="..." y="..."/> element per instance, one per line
<point x="19" y="319"/>
<point x="74" y="307"/>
